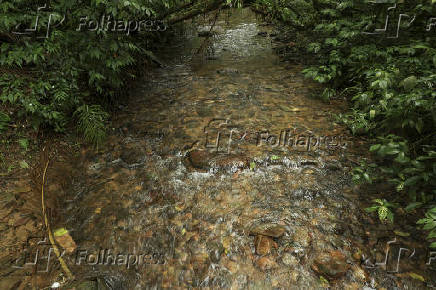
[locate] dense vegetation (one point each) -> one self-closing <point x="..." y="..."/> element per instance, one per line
<point x="64" y="62"/>
<point x="389" y="75"/>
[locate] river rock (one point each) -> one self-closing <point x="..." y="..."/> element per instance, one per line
<point x="332" y="265"/>
<point x="131" y="153"/>
<point x="263" y="245"/>
<point x="359" y="274"/>
<point x="302" y="237"/>
<point x="231" y="161"/>
<point x="266" y="263"/>
<point x="289" y="260"/>
<point x="199" y="159"/>
<point x="215" y="252"/>
<point x="270" y="230"/>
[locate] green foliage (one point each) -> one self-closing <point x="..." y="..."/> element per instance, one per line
<point x="389" y="80"/>
<point x="429" y="223"/>
<point x="90" y="121"/>
<point x="24" y="143"/>
<point x="383" y="209"/>
<point x="4" y="120"/>
<point x="48" y="75"/>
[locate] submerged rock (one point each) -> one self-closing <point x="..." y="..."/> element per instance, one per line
<point x="199" y="159"/>
<point x="263" y="245"/>
<point x="332" y="265"/>
<point x="132" y="153"/>
<point x="215" y="252"/>
<point x="289" y="260"/>
<point x="231" y="161"/>
<point x="266" y="263"/>
<point x="270" y="230"/>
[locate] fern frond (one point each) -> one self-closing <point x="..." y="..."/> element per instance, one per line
<point x="91" y="123"/>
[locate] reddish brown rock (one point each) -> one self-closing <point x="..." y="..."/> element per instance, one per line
<point x="266" y="263"/>
<point x="270" y="230"/>
<point x="332" y="265"/>
<point x="228" y="161"/>
<point x="199" y="159"/>
<point x="263" y="245"/>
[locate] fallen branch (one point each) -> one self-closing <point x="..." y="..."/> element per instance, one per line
<point x="194" y="10"/>
<point x="47" y="226"/>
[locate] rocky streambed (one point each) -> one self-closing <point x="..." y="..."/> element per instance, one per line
<point x="224" y="171"/>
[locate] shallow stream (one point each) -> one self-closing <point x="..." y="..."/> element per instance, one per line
<point x="224" y="170"/>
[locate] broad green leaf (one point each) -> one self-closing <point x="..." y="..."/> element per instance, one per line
<point x="409" y="83"/>
<point x="60" y="232"/>
<point x="374" y="147"/>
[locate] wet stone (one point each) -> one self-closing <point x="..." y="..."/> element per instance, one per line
<point x="302" y="237"/>
<point x="215" y="253"/>
<point x="230" y="161"/>
<point x="289" y="260"/>
<point x="199" y="159"/>
<point x="332" y="265"/>
<point x="131" y="154"/>
<point x="270" y="230"/>
<point x="263" y="245"/>
<point x="266" y="263"/>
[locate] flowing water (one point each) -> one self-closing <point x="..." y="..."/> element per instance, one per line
<point x="224" y="171"/>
